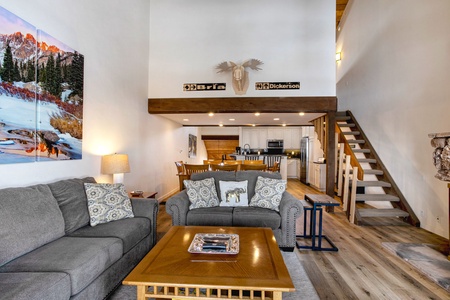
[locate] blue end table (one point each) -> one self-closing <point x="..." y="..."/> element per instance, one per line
<point x="314" y="204"/>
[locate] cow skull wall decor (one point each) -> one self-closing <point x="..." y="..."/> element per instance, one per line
<point x="240" y="75"/>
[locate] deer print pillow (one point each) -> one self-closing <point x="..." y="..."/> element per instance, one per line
<point x="233" y="193"/>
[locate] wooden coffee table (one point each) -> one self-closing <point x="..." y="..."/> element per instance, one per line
<point x="169" y="271"/>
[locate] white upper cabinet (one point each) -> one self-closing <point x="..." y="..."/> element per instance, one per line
<point x="257" y="137"/>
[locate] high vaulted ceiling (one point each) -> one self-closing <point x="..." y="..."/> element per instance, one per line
<point x="340" y="7"/>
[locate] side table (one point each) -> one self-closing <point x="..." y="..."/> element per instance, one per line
<point x="313" y="204"/>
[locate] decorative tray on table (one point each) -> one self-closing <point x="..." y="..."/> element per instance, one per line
<point x="215" y="243"/>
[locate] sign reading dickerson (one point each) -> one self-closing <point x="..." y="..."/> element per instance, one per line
<point x="189" y="87"/>
<point x="277" y="86"/>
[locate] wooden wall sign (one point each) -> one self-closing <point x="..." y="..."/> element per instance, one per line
<point x="277" y="86"/>
<point x="195" y="87"/>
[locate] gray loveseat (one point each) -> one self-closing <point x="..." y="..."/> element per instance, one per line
<point x="49" y="251"/>
<point x="282" y="223"/>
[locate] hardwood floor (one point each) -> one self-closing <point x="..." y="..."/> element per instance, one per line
<point x="362" y="268"/>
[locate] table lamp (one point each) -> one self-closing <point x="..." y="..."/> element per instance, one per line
<point x="115" y="164"/>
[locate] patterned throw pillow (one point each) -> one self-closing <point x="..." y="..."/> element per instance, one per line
<point x="107" y="202"/>
<point x="268" y="193"/>
<point x="233" y="193"/>
<point x="201" y="193"/>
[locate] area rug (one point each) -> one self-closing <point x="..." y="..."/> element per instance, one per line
<point x="303" y="286"/>
<point x="424" y="258"/>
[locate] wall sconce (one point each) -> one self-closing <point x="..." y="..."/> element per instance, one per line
<point x="338" y="56"/>
<point x="115" y="164"/>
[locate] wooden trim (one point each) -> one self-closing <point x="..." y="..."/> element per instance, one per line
<point x="242" y="105"/>
<point x="220" y="137"/>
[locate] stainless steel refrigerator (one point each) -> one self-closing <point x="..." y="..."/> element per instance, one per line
<point x="304" y="160"/>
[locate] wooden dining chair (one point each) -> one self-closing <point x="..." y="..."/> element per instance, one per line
<point x="254" y="162"/>
<point x="275" y="167"/>
<point x="225" y="167"/>
<point x="247" y="167"/>
<point x="270" y="159"/>
<point x="232" y="162"/>
<point x="251" y="157"/>
<point x="180" y="166"/>
<point x="195" y="169"/>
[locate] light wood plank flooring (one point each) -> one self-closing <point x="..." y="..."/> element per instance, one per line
<point x="362" y="268"/>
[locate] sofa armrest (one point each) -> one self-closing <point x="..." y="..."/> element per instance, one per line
<point x="178" y="206"/>
<point x="290" y="210"/>
<point x="147" y="208"/>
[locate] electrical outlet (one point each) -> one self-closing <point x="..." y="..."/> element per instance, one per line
<point x="438" y="219"/>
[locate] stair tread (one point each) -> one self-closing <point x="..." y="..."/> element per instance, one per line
<point x="361" y="150"/>
<point x="356" y="141"/>
<point x="346" y="124"/>
<point x="369" y="172"/>
<point x="351" y="133"/>
<point x="367" y="160"/>
<point x="384" y="212"/>
<point x="376" y="197"/>
<point x="343" y="118"/>
<point x="373" y="183"/>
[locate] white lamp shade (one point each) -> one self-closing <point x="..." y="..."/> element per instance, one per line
<point x="115" y="164"/>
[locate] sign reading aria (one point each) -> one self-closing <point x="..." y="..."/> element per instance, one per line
<point x="277" y="86"/>
<point x="189" y="87"/>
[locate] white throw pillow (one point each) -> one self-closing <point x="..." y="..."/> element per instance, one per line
<point x="107" y="202"/>
<point x="233" y="193"/>
<point x="268" y="193"/>
<point x="201" y="193"/>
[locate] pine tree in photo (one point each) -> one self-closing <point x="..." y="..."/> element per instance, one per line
<point x="16" y="73"/>
<point x="50" y="72"/>
<point x="7" y="72"/>
<point x="30" y="71"/>
<point x="57" y="89"/>
<point x="76" y="75"/>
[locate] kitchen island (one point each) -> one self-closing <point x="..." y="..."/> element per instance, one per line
<point x="283" y="163"/>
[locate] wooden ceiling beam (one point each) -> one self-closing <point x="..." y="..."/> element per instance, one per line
<point x="242" y="105"/>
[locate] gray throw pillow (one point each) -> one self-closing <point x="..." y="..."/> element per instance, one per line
<point x="268" y="193"/>
<point x="201" y="193"/>
<point x="107" y="202"/>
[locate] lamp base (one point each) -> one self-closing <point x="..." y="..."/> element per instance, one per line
<point x="118" y="178"/>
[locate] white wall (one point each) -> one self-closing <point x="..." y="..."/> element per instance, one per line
<point x="394" y="77"/>
<point x="294" y="38"/>
<point x="113" y="37"/>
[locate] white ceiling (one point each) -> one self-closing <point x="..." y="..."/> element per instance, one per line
<point x="243" y="119"/>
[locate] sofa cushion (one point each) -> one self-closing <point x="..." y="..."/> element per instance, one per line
<point x="268" y="193"/>
<point x="84" y="259"/>
<point x="214" y="216"/>
<point x="29" y="218"/>
<point x="252" y="177"/>
<point x="72" y="201"/>
<point x="130" y="231"/>
<point x="107" y="202"/>
<point x="256" y="217"/>
<point x="34" y="286"/>
<point x="233" y="193"/>
<point x="201" y="193"/>
<point x="217" y="175"/>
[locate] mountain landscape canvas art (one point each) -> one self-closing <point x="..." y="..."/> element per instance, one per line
<point x="41" y="94"/>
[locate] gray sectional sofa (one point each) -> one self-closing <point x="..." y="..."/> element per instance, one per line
<point x="282" y="223"/>
<point x="49" y="251"/>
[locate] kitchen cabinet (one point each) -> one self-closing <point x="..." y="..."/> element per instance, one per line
<point x="319" y="176"/>
<point x="255" y="137"/>
<point x="292" y="137"/>
<point x="275" y="133"/>
<point x="292" y="167"/>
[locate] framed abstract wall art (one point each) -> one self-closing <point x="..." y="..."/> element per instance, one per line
<point x="41" y="94"/>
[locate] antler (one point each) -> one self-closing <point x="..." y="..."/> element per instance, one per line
<point x="224" y="66"/>
<point x="253" y="64"/>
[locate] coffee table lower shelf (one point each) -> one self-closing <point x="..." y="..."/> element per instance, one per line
<point x="207" y="293"/>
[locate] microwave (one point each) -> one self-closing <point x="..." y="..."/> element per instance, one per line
<point x="275" y="144"/>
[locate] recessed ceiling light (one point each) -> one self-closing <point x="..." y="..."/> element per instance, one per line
<point x="276" y="119"/>
<point x="231" y="119"/>
<point x="257" y="114"/>
<point x="221" y="125"/>
<point x="301" y="114"/>
<point x="186" y="120"/>
<point x="211" y="114"/>
<point x="284" y="125"/>
<point x="253" y="125"/>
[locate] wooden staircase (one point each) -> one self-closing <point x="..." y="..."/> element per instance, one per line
<point x="373" y="181"/>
